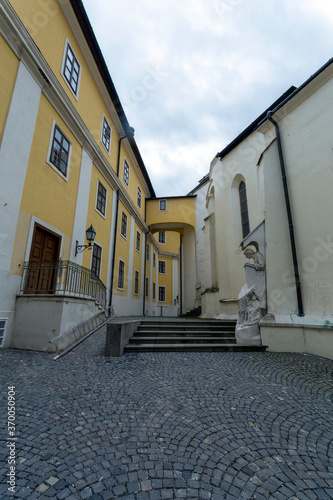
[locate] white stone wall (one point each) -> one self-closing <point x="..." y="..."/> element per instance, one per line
<point x="14" y="157"/>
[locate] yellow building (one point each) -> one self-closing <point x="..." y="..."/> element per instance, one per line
<point x="69" y="163"/>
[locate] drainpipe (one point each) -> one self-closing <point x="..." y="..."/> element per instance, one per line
<point x="289" y="215"/>
<point x="181" y="276"/>
<point x="144" y="275"/>
<point x="129" y="135"/>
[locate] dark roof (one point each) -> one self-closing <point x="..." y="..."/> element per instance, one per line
<point x="91" y="40"/>
<point x="202" y="182"/>
<point x="289" y="94"/>
<point x="243" y="135"/>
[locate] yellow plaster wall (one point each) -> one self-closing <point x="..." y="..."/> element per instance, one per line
<point x="8" y="71"/>
<point x="48" y="26"/>
<point x="46" y="195"/>
<point x="148" y="268"/>
<point x="134" y="181"/>
<point x="166" y="280"/>
<point x="172" y="242"/>
<point x="122" y="252"/>
<point x="101" y="225"/>
<point x="137" y="256"/>
<point x="178" y="210"/>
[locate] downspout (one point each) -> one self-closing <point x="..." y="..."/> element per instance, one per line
<point x="181" y="276"/>
<point x="144" y="275"/>
<point x="289" y="215"/>
<point x="130" y="134"/>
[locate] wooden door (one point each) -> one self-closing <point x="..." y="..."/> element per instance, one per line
<point x="43" y="260"/>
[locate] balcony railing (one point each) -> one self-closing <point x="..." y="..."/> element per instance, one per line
<point x="63" y="277"/>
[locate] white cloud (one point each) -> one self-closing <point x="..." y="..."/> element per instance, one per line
<point x="217" y="64"/>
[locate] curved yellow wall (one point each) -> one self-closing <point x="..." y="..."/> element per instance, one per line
<point x="178" y="210"/>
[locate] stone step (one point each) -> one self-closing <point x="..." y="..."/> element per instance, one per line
<point x="182" y="340"/>
<point x="183" y="333"/>
<point x="189" y="324"/>
<point x="192" y="348"/>
<point x="184" y="328"/>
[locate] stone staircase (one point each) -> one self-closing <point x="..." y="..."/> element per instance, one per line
<point x="181" y="335"/>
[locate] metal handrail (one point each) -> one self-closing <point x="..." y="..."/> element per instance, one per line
<point x="62" y="277"/>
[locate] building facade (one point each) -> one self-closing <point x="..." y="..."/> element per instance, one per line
<point x="68" y="162"/>
<point x="269" y="192"/>
<point x="83" y="235"/>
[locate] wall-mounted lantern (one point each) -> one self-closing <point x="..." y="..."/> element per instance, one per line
<point x="90" y="235"/>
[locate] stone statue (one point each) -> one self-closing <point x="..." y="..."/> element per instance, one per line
<point x="252" y="297"/>
<point x="258" y="259"/>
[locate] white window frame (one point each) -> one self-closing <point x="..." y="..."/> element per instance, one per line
<point x="136" y="241"/>
<point x="154" y="291"/>
<point x="136" y="272"/>
<point x="127" y="177"/>
<point x="163" y="209"/>
<point x="4" y="331"/>
<point x="147" y="251"/>
<point x="162" y="262"/>
<point x="121" y="225"/>
<point x="139" y="197"/>
<point x="164" y="294"/>
<point x="63" y="65"/>
<point x="102" y="134"/>
<point x="119" y="288"/>
<point x="161" y="238"/>
<point x="92" y="254"/>
<point x="65" y="177"/>
<point x="147" y="287"/>
<point x="106" y="199"/>
<point x="154" y="259"/>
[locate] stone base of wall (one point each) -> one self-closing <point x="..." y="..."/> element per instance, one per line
<point x="311" y="334"/>
<point x="41" y="318"/>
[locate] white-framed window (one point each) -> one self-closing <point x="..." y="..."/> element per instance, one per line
<point x="138" y="241"/>
<point x="161" y="237"/>
<point x="154" y="290"/>
<point x="3" y="322"/>
<point x="136" y="283"/>
<point x="59" y="151"/>
<point x="101" y="199"/>
<point x="126" y="173"/>
<point x="139" y="197"/>
<point x="123" y="229"/>
<point x="147" y="251"/>
<point x="121" y="274"/>
<point x="96" y="260"/>
<point x="162" y="204"/>
<point x="154" y="259"/>
<point x="161" y="293"/>
<point x="71" y="69"/>
<point x="106" y="135"/>
<point x="147" y="288"/>
<point x="162" y="267"/>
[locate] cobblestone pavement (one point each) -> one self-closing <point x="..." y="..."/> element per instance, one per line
<point x="154" y="426"/>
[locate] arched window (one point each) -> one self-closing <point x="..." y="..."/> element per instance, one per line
<point x="244" y="209"/>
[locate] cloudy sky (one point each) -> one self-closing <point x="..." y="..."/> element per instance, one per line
<point x="192" y="74"/>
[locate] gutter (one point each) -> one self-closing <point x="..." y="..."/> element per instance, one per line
<point x="289" y="215"/>
<point x="129" y="134"/>
<point x="144" y="273"/>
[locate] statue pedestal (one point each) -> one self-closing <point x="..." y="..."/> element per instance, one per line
<point x="251" y="306"/>
<point x="257" y="278"/>
<point x="249" y="335"/>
